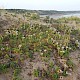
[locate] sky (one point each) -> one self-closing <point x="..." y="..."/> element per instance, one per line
<point x="60" y="5"/>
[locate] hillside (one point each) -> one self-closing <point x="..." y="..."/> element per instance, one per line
<point x="43" y="12"/>
<point x="35" y="48"/>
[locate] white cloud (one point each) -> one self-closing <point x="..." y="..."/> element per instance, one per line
<point x="42" y="4"/>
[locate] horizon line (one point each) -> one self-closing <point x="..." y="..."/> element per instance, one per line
<point x="37" y="9"/>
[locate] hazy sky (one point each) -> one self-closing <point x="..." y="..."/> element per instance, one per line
<point x="41" y="4"/>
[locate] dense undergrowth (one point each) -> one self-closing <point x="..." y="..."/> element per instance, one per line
<point x="18" y="44"/>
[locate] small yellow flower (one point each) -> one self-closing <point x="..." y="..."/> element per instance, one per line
<point x="23" y="37"/>
<point x="60" y="71"/>
<point x="62" y="47"/>
<point x="14" y="32"/>
<point x="62" y="51"/>
<point x="20" y="46"/>
<point x="58" y="32"/>
<point x="46" y="31"/>
<point x="2" y="48"/>
<point x="56" y="43"/>
<point x="52" y="39"/>
<point x="66" y="47"/>
<point x="41" y="54"/>
<point x="45" y="50"/>
<point x="70" y="48"/>
<point x="7" y="32"/>
<point x="34" y="34"/>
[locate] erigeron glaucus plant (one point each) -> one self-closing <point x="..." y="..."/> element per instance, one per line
<point x="7" y="32"/>
<point x="41" y="54"/>
<point x="14" y="32"/>
<point x="68" y="73"/>
<point x="62" y="47"/>
<point x="42" y="40"/>
<point x="20" y="46"/>
<point x="67" y="47"/>
<point x="61" y="53"/>
<point x="2" y="49"/>
<point x="73" y="38"/>
<point x="23" y="37"/>
<point x="70" y="48"/>
<point x="59" y="71"/>
<point x="46" y="31"/>
<point x="77" y="43"/>
<point x="45" y="50"/>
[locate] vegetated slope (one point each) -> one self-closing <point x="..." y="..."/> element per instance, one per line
<point x="38" y="49"/>
<point x="42" y="12"/>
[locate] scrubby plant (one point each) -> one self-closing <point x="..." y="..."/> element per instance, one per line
<point x="36" y="72"/>
<point x="16" y="74"/>
<point x="50" y="42"/>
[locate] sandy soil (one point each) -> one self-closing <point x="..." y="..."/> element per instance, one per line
<point x="75" y="57"/>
